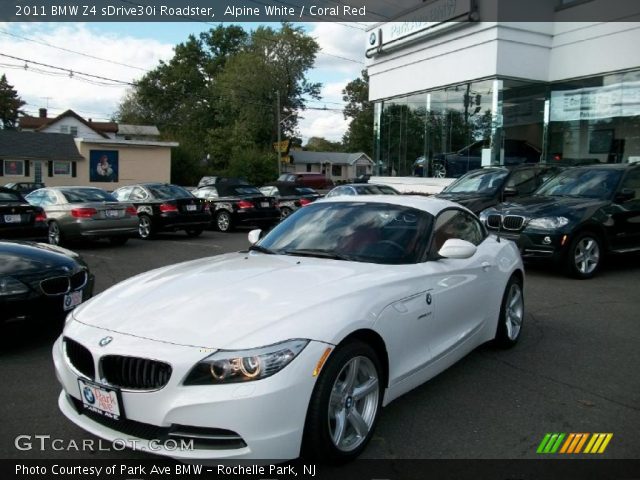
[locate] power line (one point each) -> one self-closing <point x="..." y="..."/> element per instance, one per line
<point x="47" y="44"/>
<point x="67" y="70"/>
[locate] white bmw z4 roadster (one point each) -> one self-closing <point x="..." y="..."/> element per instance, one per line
<point x="293" y="346"/>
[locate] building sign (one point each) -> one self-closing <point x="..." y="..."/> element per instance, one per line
<point x="617" y="100"/>
<point x="433" y="17"/>
<point x="103" y="166"/>
<point x="282" y="147"/>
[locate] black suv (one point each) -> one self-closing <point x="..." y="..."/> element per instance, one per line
<point x="576" y="217"/>
<point x="486" y="187"/>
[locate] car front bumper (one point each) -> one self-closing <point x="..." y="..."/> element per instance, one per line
<point x="268" y="415"/>
<point x="537" y="245"/>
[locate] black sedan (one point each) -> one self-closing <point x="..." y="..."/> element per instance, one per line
<point x="165" y="207"/>
<point x="41" y="281"/>
<point x="232" y="205"/>
<point x="18" y="218"/>
<point x="290" y="196"/>
<point x="576" y="217"/>
<point x="486" y="187"/>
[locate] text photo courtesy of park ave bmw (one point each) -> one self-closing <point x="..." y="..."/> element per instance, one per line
<point x="359" y="239"/>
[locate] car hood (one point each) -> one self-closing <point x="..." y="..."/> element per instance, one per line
<point x="25" y="258"/>
<point x="473" y="201"/>
<point x="237" y="300"/>
<point x="544" y="206"/>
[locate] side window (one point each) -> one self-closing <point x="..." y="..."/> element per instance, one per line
<point x="456" y="224"/>
<point x="524" y="181"/>
<point x="122" y="194"/>
<point x="138" y="194"/>
<point x="35" y="198"/>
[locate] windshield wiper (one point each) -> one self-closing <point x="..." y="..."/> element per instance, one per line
<point x="258" y="248"/>
<point x="317" y="252"/>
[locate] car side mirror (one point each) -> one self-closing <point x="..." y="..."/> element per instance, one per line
<point x="625" y="195"/>
<point x="457" y="248"/>
<point x="510" y="192"/>
<point x="254" y="236"/>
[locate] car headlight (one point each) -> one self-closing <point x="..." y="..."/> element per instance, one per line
<point x="548" y="223"/>
<point x="11" y="286"/>
<point x="484" y="214"/>
<point x="244" y="365"/>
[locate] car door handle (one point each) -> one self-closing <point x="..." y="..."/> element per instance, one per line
<point x="486" y="266"/>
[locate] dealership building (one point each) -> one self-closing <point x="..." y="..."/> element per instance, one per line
<point x="453" y="74"/>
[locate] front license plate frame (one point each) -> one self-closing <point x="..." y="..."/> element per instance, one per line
<point x="100" y="399"/>
<point x="71" y="300"/>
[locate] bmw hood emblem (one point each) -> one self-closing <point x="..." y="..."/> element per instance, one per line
<point x="105" y="341"/>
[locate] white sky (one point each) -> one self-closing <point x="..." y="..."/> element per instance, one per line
<point x="59" y="91"/>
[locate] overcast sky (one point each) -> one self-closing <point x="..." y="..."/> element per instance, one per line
<point x="124" y="51"/>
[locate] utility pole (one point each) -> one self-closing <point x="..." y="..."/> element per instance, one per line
<point x="279" y="156"/>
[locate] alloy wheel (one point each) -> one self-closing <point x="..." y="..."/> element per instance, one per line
<point x="353" y="403"/>
<point x="54" y="233"/>
<point x="586" y="255"/>
<point x="223" y="221"/>
<point x="144" y="227"/>
<point x="514" y="312"/>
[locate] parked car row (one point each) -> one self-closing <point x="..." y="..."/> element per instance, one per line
<point x="572" y="216"/>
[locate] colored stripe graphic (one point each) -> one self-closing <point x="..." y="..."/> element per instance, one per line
<point x="573" y="443"/>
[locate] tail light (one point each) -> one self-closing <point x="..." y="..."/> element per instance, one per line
<point x="41" y="217"/>
<point x="168" y="207"/>
<point x="245" y="204"/>
<point x="557" y="157"/>
<point x="304" y="201"/>
<point x="83" y="212"/>
<point x="131" y="210"/>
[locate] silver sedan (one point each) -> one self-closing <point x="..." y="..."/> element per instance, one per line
<point x="75" y="213"/>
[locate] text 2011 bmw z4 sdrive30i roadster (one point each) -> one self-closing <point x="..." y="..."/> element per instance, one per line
<point x="293" y="346"/>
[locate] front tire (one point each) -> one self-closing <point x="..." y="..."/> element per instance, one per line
<point x="511" y="314"/>
<point x="439" y="170"/>
<point x="584" y="256"/>
<point x="345" y="404"/>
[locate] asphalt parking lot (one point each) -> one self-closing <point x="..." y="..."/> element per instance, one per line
<point x="574" y="370"/>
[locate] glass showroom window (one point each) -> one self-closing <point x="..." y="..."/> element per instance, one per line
<point x="596" y="119"/>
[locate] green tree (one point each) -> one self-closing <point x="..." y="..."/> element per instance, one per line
<point x="321" y="144"/>
<point x="218" y="95"/>
<point x="359" y="135"/>
<point x="10" y="104"/>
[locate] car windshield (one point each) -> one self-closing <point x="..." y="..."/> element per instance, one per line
<point x="11" y="197"/>
<point x="582" y="182"/>
<point x="82" y="195"/>
<point x="355" y="231"/>
<point x="479" y="181"/>
<point x="167" y="192"/>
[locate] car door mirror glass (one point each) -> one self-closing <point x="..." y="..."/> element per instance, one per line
<point x="457" y="248"/>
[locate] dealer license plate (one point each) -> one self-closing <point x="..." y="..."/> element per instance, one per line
<point x="99" y="399"/>
<point x="12" y="219"/>
<point x="72" y="300"/>
<point x="112" y="213"/>
<point x="264" y="204"/>
<point x="192" y="208"/>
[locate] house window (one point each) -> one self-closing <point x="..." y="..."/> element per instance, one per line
<point x="308" y="167"/>
<point x="361" y="170"/>
<point x="336" y="170"/>
<point x="73" y="131"/>
<point x="14" y="168"/>
<point x="64" y="128"/>
<point x="62" y="168"/>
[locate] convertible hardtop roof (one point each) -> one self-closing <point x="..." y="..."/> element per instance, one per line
<point x="430" y="205"/>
